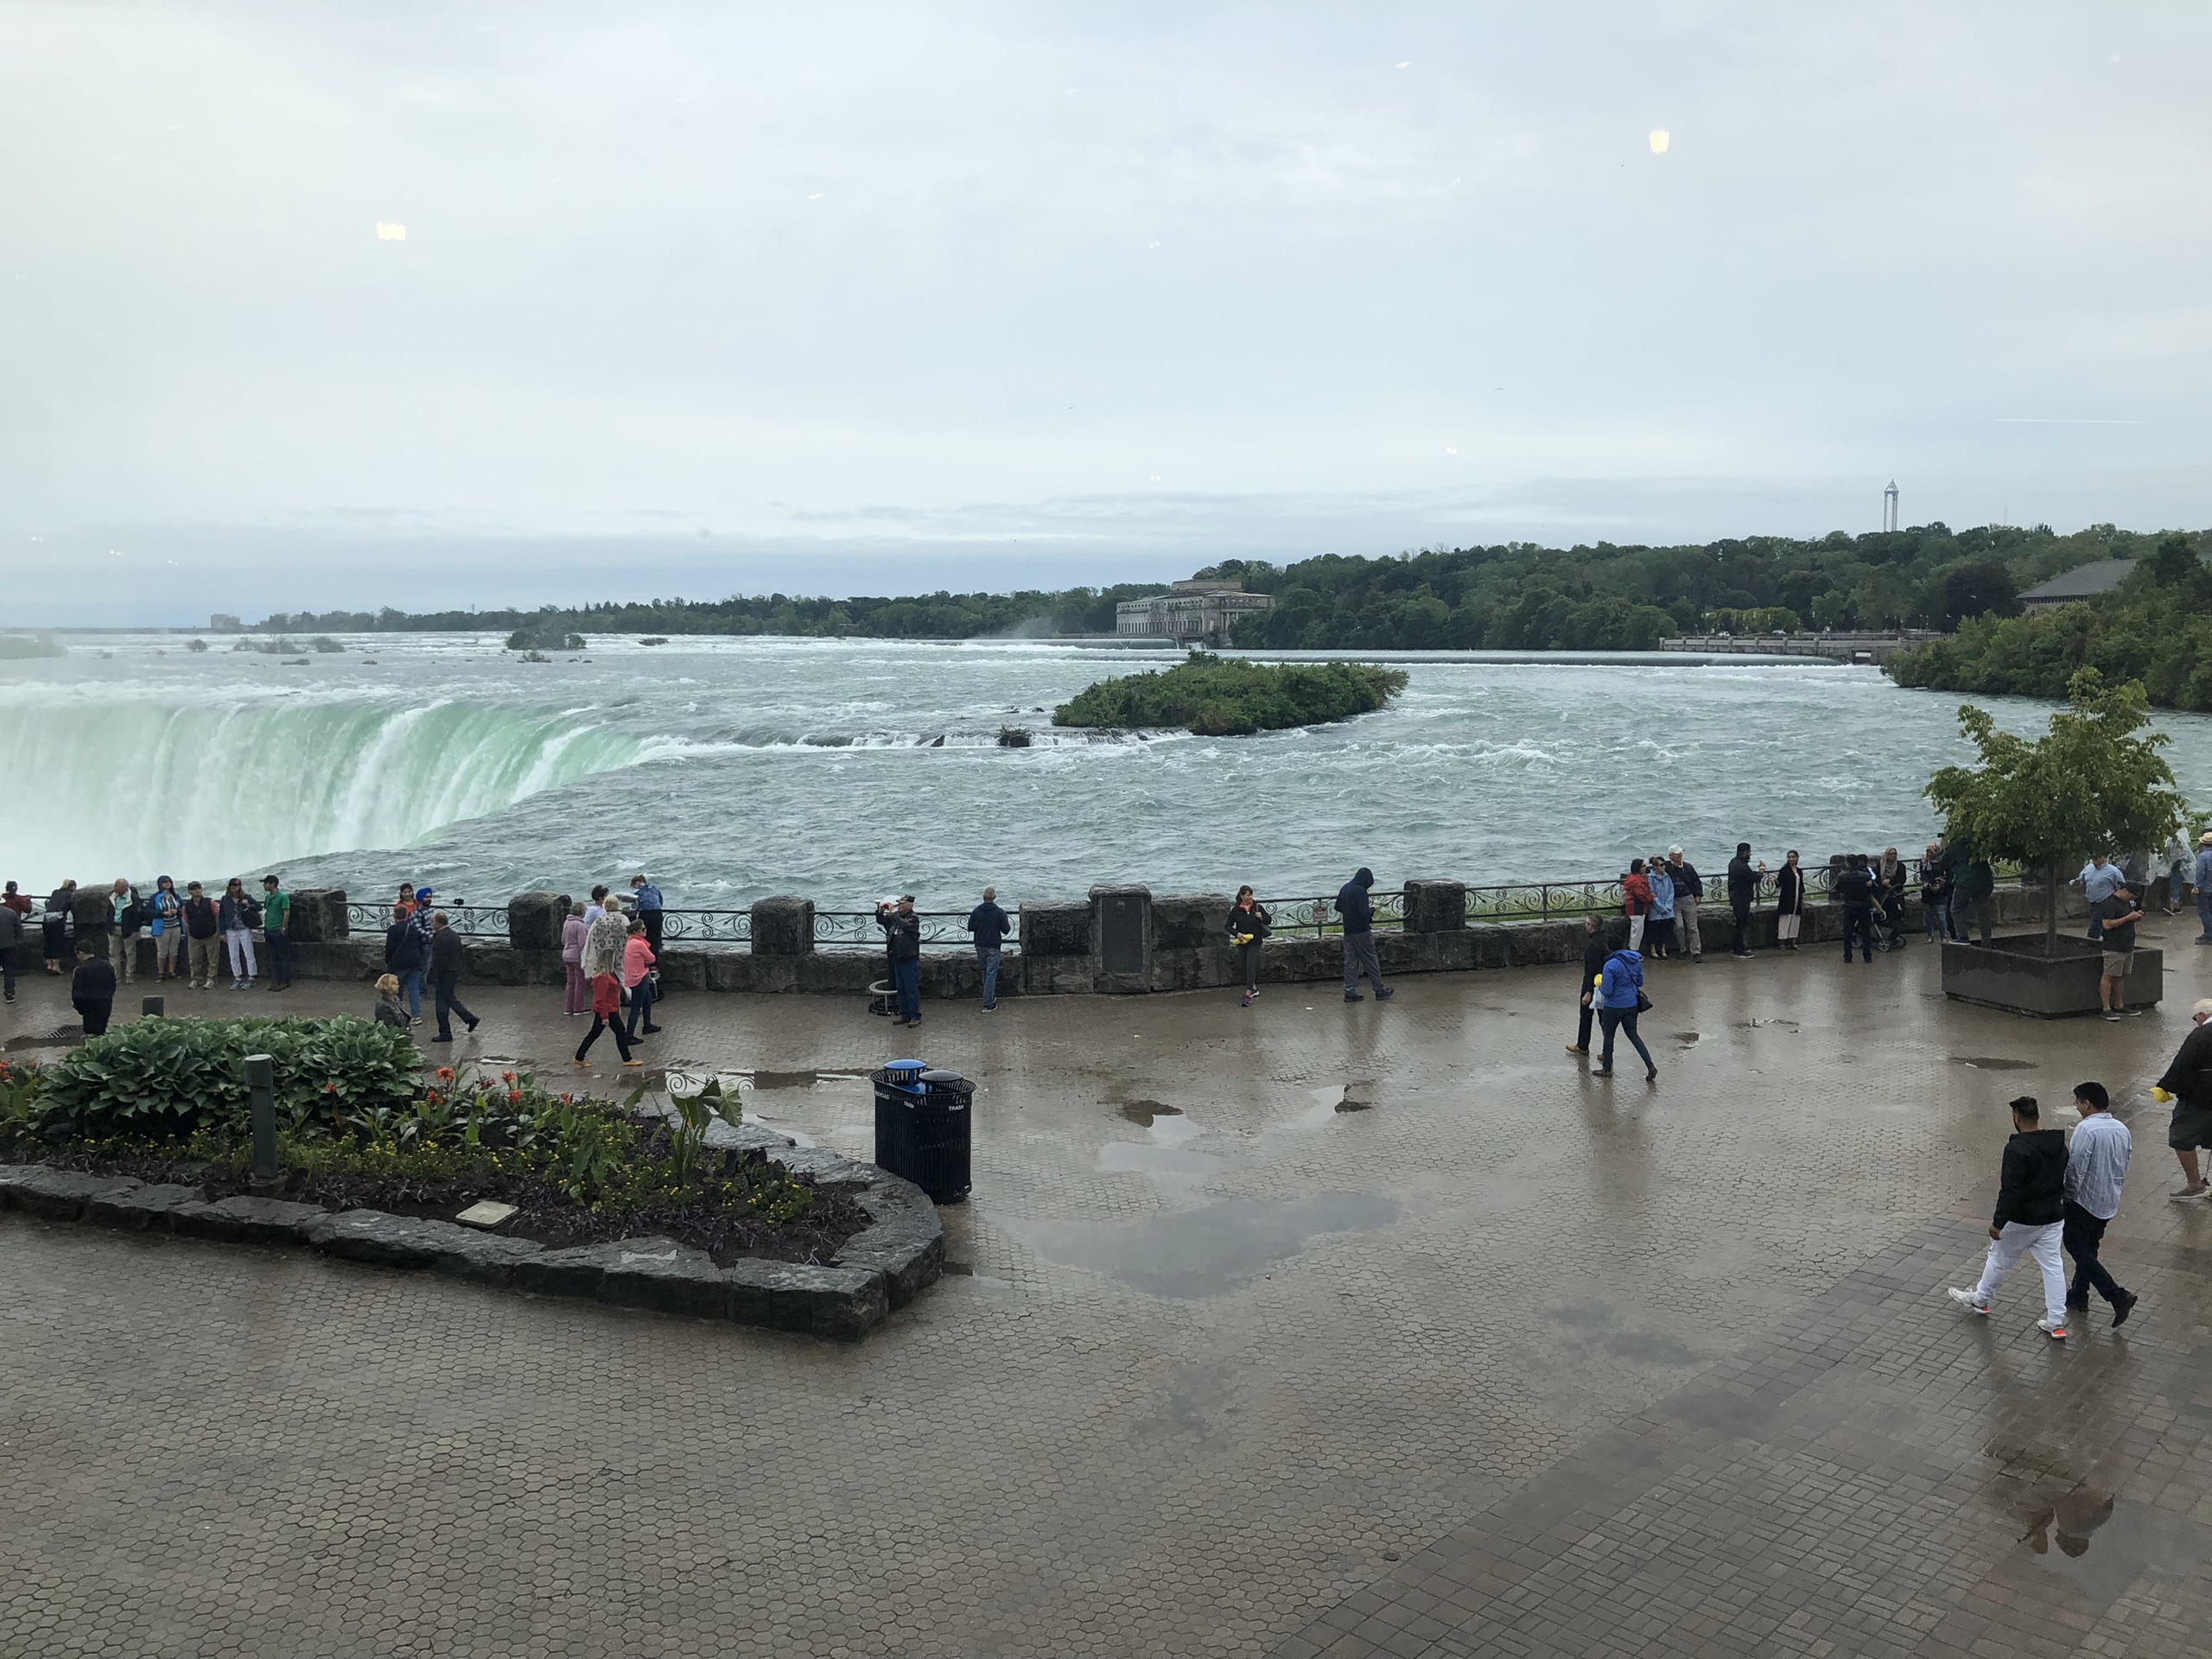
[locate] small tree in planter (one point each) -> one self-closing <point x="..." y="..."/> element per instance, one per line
<point x="2090" y="785"/>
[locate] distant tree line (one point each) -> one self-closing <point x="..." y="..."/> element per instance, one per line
<point x="1515" y="596"/>
<point x="2154" y="628"/>
<point x="1522" y="597"/>
<point x="941" y="615"/>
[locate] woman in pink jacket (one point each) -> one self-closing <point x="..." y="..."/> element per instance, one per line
<point x="637" y="961"/>
<point x="572" y="958"/>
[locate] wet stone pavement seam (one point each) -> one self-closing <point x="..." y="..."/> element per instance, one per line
<point x="1825" y="1492"/>
<point x="1626" y="1368"/>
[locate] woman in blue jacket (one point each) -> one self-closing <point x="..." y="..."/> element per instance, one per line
<point x="1618" y="989"/>
<point x="1659" y="934"/>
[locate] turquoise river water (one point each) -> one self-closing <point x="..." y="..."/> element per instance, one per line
<point x="733" y="769"/>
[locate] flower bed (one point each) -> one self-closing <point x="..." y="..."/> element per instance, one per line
<point x="153" y="1101"/>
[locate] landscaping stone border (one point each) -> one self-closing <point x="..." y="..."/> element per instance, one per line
<point x="884" y="1267"/>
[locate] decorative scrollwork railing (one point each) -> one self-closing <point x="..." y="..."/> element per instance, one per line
<point x="1316" y="917"/>
<point x="470" y="921"/>
<point x="707" y="926"/>
<point x="942" y="930"/>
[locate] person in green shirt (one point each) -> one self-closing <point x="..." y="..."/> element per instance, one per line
<point x="276" y="931"/>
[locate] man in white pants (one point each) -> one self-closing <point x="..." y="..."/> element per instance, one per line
<point x="2031" y="1218"/>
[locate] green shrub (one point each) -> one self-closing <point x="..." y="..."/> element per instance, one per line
<point x="166" y="1079"/>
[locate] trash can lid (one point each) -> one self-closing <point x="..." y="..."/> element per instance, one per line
<point x="938" y="1074"/>
<point x="904" y="1071"/>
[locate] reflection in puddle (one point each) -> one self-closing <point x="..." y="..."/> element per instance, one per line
<point x="1191" y="1253"/>
<point x="1139" y="1157"/>
<point x="1142" y="1112"/>
<point x="1992" y="1063"/>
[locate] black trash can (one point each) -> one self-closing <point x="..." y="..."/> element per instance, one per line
<point x="942" y="1136"/>
<point x="899" y="1092"/>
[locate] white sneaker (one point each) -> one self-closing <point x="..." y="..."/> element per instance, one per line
<point x="1965" y="1298"/>
<point x="2055" y="1329"/>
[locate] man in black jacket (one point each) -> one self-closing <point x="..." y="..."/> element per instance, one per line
<point x="1689" y="892"/>
<point x="902" y="944"/>
<point x="989" y="926"/>
<point x="2030" y="1218"/>
<point x="2188" y="1083"/>
<point x="445" y="977"/>
<point x="1594" y="952"/>
<point x="1743" y="888"/>
<point x="1854" y="888"/>
<point x="92" y="989"/>
<point x="1358" y="913"/>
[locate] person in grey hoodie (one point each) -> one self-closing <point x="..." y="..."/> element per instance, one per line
<point x="1357" y="911"/>
<point x="2030" y="1218"/>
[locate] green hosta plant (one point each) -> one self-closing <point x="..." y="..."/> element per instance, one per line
<point x="165" y="1079"/>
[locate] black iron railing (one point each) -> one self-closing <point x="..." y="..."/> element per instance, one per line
<point x="470" y="921"/>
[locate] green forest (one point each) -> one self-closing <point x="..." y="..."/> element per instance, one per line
<point x="1514" y="596"/>
<point x="1522" y="597"/>
<point x="2155" y="627"/>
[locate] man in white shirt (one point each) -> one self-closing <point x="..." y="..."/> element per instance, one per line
<point x="2099" y="877"/>
<point x="2096" y="1165"/>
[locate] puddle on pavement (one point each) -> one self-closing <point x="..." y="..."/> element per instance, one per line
<point x="1141" y="1157"/>
<point x="1992" y="1063"/>
<point x="1189" y="1254"/>
<point x="800" y="1079"/>
<point x="1142" y="1112"/>
<point x="1685" y="1038"/>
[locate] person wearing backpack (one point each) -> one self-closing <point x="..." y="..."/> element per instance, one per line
<point x="239" y="915"/>
<point x="203" y="932"/>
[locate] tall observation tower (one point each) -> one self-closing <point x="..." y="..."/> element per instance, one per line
<point x="1890" y="506"/>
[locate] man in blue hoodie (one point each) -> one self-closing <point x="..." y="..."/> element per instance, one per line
<point x="1358" y="913"/>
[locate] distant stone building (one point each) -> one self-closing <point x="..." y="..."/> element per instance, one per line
<point x="219" y="623"/>
<point x="1190" y="612"/>
<point x="2078" y="585"/>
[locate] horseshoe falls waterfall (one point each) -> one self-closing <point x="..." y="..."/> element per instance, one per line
<point x="842" y="770"/>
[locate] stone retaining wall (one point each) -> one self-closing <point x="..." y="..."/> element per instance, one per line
<point x="900" y="1253"/>
<point x="1123" y="940"/>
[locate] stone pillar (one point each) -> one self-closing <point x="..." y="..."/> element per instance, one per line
<point x="1123" y="934"/>
<point x="783" y="927"/>
<point x="534" y="921"/>
<point x="1436" y="906"/>
<point x="319" y="916"/>
<point x="1056" y="949"/>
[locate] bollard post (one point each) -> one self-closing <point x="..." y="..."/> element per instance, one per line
<point x="261" y="1080"/>
<point x="150" y="1008"/>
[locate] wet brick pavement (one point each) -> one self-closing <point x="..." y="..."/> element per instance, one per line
<point x="1514" y="1363"/>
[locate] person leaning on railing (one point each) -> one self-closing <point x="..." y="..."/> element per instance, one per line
<point x="1248" y="926"/>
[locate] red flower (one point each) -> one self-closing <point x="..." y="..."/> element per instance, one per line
<point x="514" y="1097"/>
<point x="506" y="1077"/>
<point x="329" y="1088"/>
<point x="445" y="1074"/>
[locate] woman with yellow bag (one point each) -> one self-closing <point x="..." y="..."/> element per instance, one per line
<point x="1249" y="923"/>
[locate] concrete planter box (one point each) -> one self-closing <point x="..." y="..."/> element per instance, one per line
<point x="2013" y="973"/>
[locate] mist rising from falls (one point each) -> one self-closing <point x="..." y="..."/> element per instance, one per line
<point x="141" y="788"/>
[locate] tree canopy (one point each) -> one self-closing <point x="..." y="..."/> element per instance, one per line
<point x="2154" y="628"/>
<point x="1233" y="698"/>
<point x="2093" y="783"/>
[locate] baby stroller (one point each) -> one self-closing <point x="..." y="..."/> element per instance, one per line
<point x="1882" y="927"/>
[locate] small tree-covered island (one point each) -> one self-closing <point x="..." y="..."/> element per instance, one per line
<point x="1234" y="698"/>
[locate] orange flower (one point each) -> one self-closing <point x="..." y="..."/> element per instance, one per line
<point x="506" y="1077"/>
<point x="445" y="1074"/>
<point x="514" y="1097"/>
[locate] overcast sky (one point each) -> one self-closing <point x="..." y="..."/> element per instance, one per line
<point x="704" y="298"/>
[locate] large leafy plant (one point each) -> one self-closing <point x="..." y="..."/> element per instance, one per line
<point x="2093" y="783"/>
<point x="166" y="1079"/>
